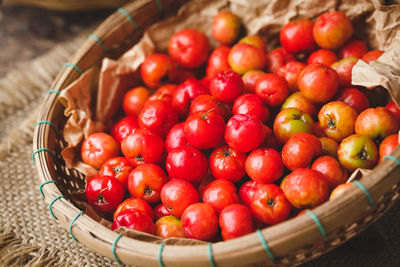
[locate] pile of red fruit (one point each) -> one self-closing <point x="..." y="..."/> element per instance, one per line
<point x="259" y="138"/>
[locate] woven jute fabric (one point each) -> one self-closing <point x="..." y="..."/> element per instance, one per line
<point x="30" y="236"/>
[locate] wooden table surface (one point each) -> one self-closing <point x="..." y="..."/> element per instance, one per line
<point x="27" y="32"/>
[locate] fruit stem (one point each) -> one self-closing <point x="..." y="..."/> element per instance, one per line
<point x="148" y="190"/>
<point x="139" y="158"/>
<point x="117" y="169"/>
<point x="205" y="114"/>
<point x="228" y="152"/>
<point x="100" y="197"/>
<point x="331" y="122"/>
<point x="363" y="155"/>
<point x="271" y="202"/>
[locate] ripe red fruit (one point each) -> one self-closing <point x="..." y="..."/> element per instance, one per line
<point x="372" y="55"/>
<point x="226" y="86"/>
<point x="186" y="163"/>
<point x="142" y="147"/>
<point x="277" y="58"/>
<point x="160" y="211"/>
<point x="250" y="79"/>
<point x="297" y="36"/>
<point x="104" y="193"/>
<point x="177" y="195"/>
<point x="204" y="129"/>
<point x="185" y="93"/>
<point x="254" y="40"/>
<point x="272" y="89"/>
<point x="135" y="220"/>
<point x="298" y="101"/>
<point x="269" y="204"/>
<point x="207" y="102"/>
<point x="200" y="221"/>
<point x="158" y="69"/>
<point x="291" y="72"/>
<point x="252" y="105"/>
<point x="340" y="190"/>
<point x="97" y="148"/>
<point x="332" y="29"/>
<point x="235" y="220"/>
<point x="388" y="145"/>
<point x="176" y="137"/>
<point x="158" y="117"/>
<point x="134" y="203"/>
<point x="247" y="190"/>
<point x="146" y="181"/>
<point x="244" y="133"/>
<point x="300" y="150"/>
<point x="218" y="61"/>
<point x="318" y="83"/>
<point x="376" y="123"/>
<point x="124" y="127"/>
<point x="394" y="109"/>
<point x="354" y="98"/>
<point x="322" y="56"/>
<point x="244" y="57"/>
<point x="164" y="93"/>
<point x="227" y="163"/>
<point x="117" y="167"/>
<point x="305" y="188"/>
<point x="344" y="68"/>
<point x="133" y="100"/>
<point x="264" y="165"/>
<point x="353" y="48"/>
<point x="189" y="47"/>
<point x="225" y="27"/>
<point x="220" y="194"/>
<point x="330" y="167"/>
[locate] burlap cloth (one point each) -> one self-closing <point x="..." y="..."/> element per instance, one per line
<point x="29" y="236"/>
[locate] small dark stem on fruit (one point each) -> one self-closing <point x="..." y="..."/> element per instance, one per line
<point x="227" y="153"/>
<point x="205" y="114"/>
<point x="100" y="197"/>
<point x="148" y="190"/>
<point x="168" y="207"/>
<point x="296" y="117"/>
<point x="139" y="158"/>
<point x="363" y="155"/>
<point x="331" y="122"/>
<point x="117" y="169"/>
<point x="271" y="202"/>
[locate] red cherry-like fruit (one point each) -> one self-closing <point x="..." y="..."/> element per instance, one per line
<point x="97" y="148"/>
<point x="104" y="193"/>
<point x="134" y="219"/>
<point x="235" y="220"/>
<point x="200" y="221"/>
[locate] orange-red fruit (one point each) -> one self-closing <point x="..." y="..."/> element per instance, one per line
<point x="255" y="40"/>
<point x="297" y="36"/>
<point x="332" y="29"/>
<point x="344" y="69"/>
<point x="134" y="100"/>
<point x="322" y="56"/>
<point x="318" y="83"/>
<point x="372" y="55"/>
<point x="388" y="145"/>
<point x="353" y="48"/>
<point x="340" y="190"/>
<point x="305" y="188"/>
<point x="97" y="148"/>
<point x="169" y="226"/>
<point x="291" y="72"/>
<point x="330" y="167"/>
<point x="329" y="146"/>
<point x="244" y="57"/>
<point x="225" y="27"/>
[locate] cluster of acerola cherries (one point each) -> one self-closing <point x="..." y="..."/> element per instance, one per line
<point x="259" y="138"/>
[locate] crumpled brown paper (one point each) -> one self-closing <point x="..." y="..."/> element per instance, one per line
<point x="375" y="23"/>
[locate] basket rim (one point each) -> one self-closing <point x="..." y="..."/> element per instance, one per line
<point x="301" y="226"/>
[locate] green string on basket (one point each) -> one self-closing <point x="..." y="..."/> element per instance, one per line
<point x="113" y="249"/>
<point x="367" y="194"/>
<point x="49" y="123"/>
<point x="210" y="255"/>
<point x="265" y="245"/>
<point x="74" y="66"/>
<point x="392" y="158"/>
<point x="47" y="182"/>
<point x="71" y="224"/>
<point x="129" y="17"/>
<point x="54" y="91"/>
<point x="97" y="39"/>
<point x="51" y="206"/>
<point x="160" y="263"/>
<point x="42" y="149"/>
<point x="159" y="5"/>
<point x="317" y="222"/>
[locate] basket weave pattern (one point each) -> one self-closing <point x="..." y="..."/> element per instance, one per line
<point x="291" y="242"/>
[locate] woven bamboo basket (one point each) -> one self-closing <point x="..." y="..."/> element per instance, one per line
<point x="289" y="243"/>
